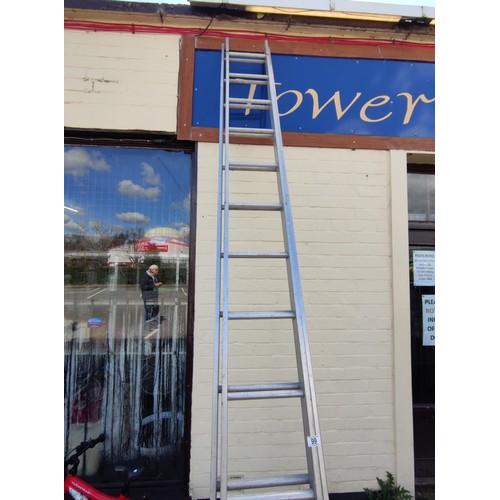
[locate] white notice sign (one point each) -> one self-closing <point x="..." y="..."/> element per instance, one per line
<point x="423" y="267"/>
<point x="428" y="320"/>
<point x="313" y="441"/>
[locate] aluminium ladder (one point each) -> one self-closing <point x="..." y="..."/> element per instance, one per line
<point x="312" y="483"/>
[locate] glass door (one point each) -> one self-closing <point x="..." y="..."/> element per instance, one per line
<point x="423" y="334"/>
<point x="421" y="218"/>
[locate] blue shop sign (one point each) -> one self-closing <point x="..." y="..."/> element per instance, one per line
<point x="327" y="95"/>
<point x="94" y="322"/>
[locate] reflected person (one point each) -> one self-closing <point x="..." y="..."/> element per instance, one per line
<point x="149" y="284"/>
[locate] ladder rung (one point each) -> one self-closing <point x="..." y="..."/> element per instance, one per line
<point x="255" y="206"/>
<point x="237" y="102"/>
<point x="278" y="386"/>
<point x="247" y="82"/>
<point x="259" y="314"/>
<point x="250" y="132"/>
<point x="249" y="106"/>
<point x="248" y="76"/>
<point x="256" y="255"/>
<point x="264" y="391"/>
<point x="267" y="482"/>
<point x="263" y="167"/>
<point x="245" y="396"/>
<point x="244" y="100"/>
<point x="257" y="55"/>
<point x="282" y="495"/>
<point x="246" y="60"/>
<point x="247" y="57"/>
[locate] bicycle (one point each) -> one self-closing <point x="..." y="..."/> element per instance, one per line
<point x="78" y="489"/>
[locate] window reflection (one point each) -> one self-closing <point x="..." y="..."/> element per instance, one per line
<point x="124" y="210"/>
<point x="421" y="206"/>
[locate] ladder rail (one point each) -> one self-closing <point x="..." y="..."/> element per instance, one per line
<point x="225" y="292"/>
<point x="216" y="356"/>
<point x="296" y="297"/>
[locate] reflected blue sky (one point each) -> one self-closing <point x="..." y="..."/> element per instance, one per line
<point x="118" y="189"/>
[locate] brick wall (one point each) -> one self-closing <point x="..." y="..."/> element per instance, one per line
<point x="341" y="206"/>
<point x="121" y="81"/>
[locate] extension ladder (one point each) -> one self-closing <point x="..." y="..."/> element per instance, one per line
<point x="312" y="483"/>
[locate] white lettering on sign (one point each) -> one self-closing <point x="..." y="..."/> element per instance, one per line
<point x="428" y="320"/>
<point x="342" y="106"/>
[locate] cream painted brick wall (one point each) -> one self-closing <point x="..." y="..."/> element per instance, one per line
<point x="121" y="81"/>
<point x="341" y="207"/>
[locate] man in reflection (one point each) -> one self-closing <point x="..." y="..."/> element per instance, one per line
<point x="149" y="284"/>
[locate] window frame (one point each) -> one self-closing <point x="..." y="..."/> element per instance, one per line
<point x="167" y="142"/>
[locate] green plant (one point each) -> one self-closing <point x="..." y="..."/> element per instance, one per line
<point x="388" y="490"/>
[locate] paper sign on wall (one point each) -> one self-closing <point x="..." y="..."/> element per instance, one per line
<point x="423" y="267"/>
<point x="428" y="320"/>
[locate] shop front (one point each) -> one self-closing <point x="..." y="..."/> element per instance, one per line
<point x="141" y="159"/>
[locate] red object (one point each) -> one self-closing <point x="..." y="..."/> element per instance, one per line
<point x="154" y="244"/>
<point x="90" y="492"/>
<point x="84" y="412"/>
<point x="252" y="35"/>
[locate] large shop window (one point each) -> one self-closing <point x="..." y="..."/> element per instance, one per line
<point x="126" y="209"/>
